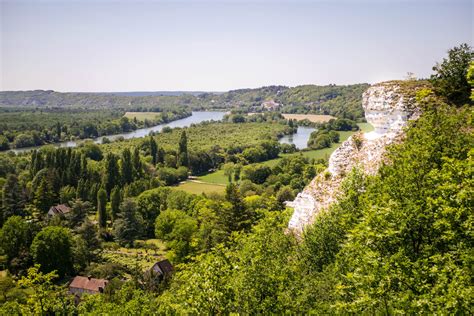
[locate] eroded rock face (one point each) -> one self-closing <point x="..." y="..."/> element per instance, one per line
<point x="388" y="108"/>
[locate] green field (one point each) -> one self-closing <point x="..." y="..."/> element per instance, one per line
<point x="199" y="188"/>
<point x="215" y="180"/>
<point x="217" y="177"/>
<point x="141" y="116"/>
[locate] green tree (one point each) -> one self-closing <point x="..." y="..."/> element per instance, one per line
<point x="112" y="174"/>
<point x="409" y="251"/>
<point x="102" y="208"/>
<point x="150" y="203"/>
<point x="89" y="234"/>
<point x="66" y="194"/>
<point x="46" y="298"/>
<point x="137" y="164"/>
<point x="236" y="217"/>
<point x="153" y="150"/>
<point x="44" y="195"/>
<point x="177" y="229"/>
<point x="127" y="166"/>
<point x="4" y="143"/>
<point x="79" y="211"/>
<point x="129" y="226"/>
<point x="450" y="78"/>
<point x="51" y="248"/>
<point x="470" y="79"/>
<point x="15" y="239"/>
<point x="12" y="199"/>
<point x="91" y="150"/>
<point x="183" y="158"/>
<point x="115" y="200"/>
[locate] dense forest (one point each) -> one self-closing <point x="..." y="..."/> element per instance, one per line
<point x="397" y="242"/>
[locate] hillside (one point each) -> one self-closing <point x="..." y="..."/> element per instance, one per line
<point x="339" y="101"/>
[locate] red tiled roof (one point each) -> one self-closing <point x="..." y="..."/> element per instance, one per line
<point x="89" y="284"/>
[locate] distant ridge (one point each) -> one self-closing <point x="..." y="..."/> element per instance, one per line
<point x="156" y="93"/>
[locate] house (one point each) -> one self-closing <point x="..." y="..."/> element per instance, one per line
<point x="162" y="269"/>
<point x="60" y="209"/>
<point x="80" y="285"/>
<point x="270" y="105"/>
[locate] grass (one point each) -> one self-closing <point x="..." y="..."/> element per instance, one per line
<point x="310" y="117"/>
<point x="216" y="177"/>
<point x="141" y="116"/>
<point x="201" y="187"/>
<point x="215" y="181"/>
<point x="144" y="254"/>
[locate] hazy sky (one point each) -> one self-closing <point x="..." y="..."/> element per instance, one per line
<point x="220" y="45"/>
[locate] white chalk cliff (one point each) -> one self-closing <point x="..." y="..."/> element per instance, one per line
<point x="388" y="107"/>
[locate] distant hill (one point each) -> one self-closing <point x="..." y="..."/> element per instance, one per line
<point x="155" y="93"/>
<point x="339" y="101"/>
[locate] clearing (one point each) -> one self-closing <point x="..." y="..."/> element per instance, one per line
<point x="315" y="118"/>
<point x="141" y="116"/>
<point x="199" y="187"/>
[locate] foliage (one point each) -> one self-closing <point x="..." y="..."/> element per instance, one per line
<point x="101" y="208"/>
<point x="450" y="78"/>
<point x="129" y="225"/>
<point x="15" y="239"/>
<point x="51" y="249"/>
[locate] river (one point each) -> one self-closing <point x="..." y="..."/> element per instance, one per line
<point x="195" y="118"/>
<point x="299" y="139"/>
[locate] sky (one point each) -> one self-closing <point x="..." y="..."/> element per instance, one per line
<point x="186" y="45"/>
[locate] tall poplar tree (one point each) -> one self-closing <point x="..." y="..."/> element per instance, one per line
<point x="101" y="208"/>
<point x="183" y="159"/>
<point x="137" y="164"/>
<point x="126" y="166"/>
<point x="115" y="200"/>
<point x="153" y="150"/>
<point x="112" y="175"/>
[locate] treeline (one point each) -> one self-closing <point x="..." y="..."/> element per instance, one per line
<point x="339" y="101"/>
<point x="25" y="128"/>
<point x="327" y="134"/>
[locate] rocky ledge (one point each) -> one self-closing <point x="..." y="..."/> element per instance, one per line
<point x="388" y="107"/>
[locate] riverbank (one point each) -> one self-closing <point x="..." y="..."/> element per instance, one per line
<point x="194" y="118"/>
<point x="214" y="181"/>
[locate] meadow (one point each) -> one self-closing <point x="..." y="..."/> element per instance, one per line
<point x="142" y="116"/>
<point x="314" y="118"/>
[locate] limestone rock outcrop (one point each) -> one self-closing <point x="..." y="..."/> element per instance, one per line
<point x="388" y="107"/>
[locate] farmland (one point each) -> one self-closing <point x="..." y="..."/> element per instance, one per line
<point x="142" y="116"/>
<point x="314" y="118"/>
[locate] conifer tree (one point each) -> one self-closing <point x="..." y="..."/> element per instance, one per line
<point x="115" y="200"/>
<point x="153" y="150"/>
<point x="12" y="199"/>
<point x="126" y="166"/>
<point x="44" y="196"/>
<point x="101" y="207"/>
<point x="137" y="164"/>
<point x="112" y="175"/>
<point x="236" y="217"/>
<point x="183" y="159"/>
